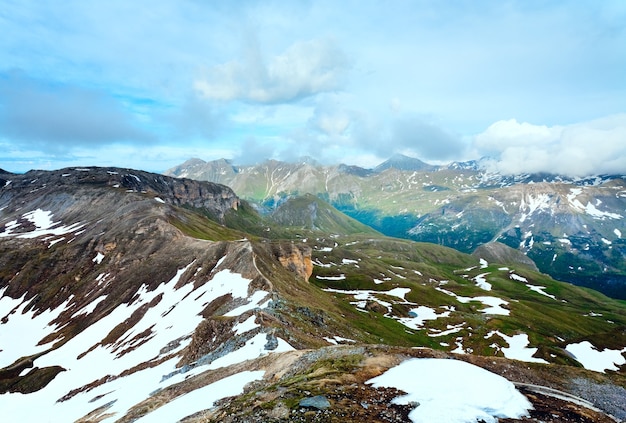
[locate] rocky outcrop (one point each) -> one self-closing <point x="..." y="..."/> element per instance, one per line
<point x="295" y="258"/>
<point x="215" y="199"/>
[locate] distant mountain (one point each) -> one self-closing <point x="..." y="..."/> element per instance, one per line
<point x="573" y="228"/>
<point x="311" y="213"/>
<point x="130" y="296"/>
<point x="402" y="162"/>
<point x="203" y="171"/>
<point x="468" y="165"/>
<point x="355" y="170"/>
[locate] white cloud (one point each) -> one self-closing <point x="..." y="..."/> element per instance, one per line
<point x="303" y="70"/>
<point x="511" y="133"/>
<point x="330" y="119"/>
<point x="583" y="149"/>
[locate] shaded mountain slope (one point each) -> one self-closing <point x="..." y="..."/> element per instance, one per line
<point x="310" y="212"/>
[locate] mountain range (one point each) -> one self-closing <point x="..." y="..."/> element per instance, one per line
<point x="572" y="228"/>
<point x="129" y="296"/>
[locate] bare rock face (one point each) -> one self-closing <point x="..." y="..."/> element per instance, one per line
<point x="215" y="199"/>
<point x="295" y="258"/>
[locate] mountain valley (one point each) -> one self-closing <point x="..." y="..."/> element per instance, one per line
<point x="572" y="228"/>
<point x="131" y="296"/>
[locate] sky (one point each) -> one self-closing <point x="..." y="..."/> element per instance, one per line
<point x="539" y="86"/>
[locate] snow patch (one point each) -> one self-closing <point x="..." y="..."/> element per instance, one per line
<point x="202" y="398"/>
<point x="253" y="348"/>
<point x="530" y="205"/>
<point x="417" y="317"/>
<point x="446" y="391"/>
<point x="246" y="326"/>
<point x="536" y="288"/>
<point x="21" y="333"/>
<point x="42" y="220"/>
<point x="335" y="340"/>
<point x="593" y="359"/>
<point x="98" y="258"/>
<point x="518" y="278"/>
<point x="90" y="307"/>
<point x="590" y="208"/>
<point x="481" y="281"/>
<point x="540" y="290"/>
<point x="451" y="329"/>
<point x="518" y="347"/>
<point x="331" y="278"/>
<point x="495" y="304"/>
<point x="318" y="263"/>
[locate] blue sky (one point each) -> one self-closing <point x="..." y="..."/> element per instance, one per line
<point x="538" y="85"/>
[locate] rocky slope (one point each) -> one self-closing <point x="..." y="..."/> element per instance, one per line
<point x="572" y="228"/>
<point x="98" y="284"/>
<point x="129" y="296"/>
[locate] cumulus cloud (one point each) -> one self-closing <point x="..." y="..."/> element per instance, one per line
<point x="583" y="149"/>
<point x="303" y="70"/>
<point x="330" y="122"/>
<point x="56" y="117"/>
<point x="511" y="133"/>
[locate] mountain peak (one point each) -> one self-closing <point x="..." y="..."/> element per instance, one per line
<point x="199" y="169"/>
<point x="402" y="162"/>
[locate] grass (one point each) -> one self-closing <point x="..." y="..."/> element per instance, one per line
<point x="200" y="226"/>
<point x="542" y="318"/>
<point x="420" y="267"/>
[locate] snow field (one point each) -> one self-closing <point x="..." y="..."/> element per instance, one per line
<point x="419" y="315"/>
<point x="593" y="359"/>
<point x="453" y="391"/>
<point x="202" y="398"/>
<point x="42" y="219"/>
<point x="495" y="304"/>
<point x="518" y="347"/>
<point x="85" y="359"/>
<point x="481" y="282"/>
<point x="20" y="335"/>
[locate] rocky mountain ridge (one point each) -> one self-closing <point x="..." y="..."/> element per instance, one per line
<point x="571" y="227"/>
